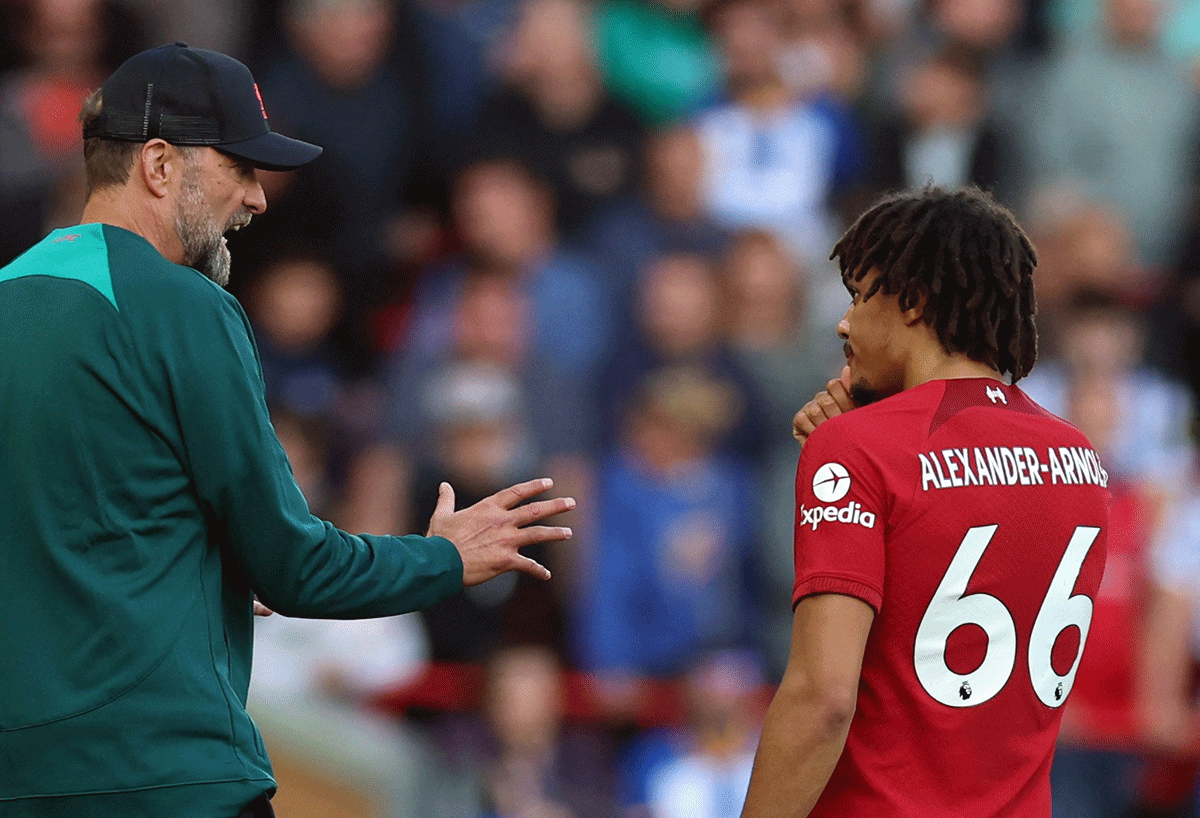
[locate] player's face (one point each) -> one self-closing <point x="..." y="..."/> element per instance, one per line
<point x="872" y="330"/>
<point x="218" y="193"/>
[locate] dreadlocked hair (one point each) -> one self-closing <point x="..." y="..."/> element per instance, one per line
<point x="966" y="256"/>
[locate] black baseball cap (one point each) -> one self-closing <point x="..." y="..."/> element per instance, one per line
<point x="193" y="96"/>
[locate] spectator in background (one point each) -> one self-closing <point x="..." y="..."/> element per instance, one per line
<point x="774" y="161"/>
<point x="465" y="43"/>
<point x="1119" y="118"/>
<point x="822" y="52"/>
<point x="991" y="30"/>
<point x="656" y="56"/>
<point x="1098" y="758"/>
<point x="1083" y="244"/>
<point x="765" y="313"/>
<point x="520" y="757"/>
<point x="1170" y="662"/>
<point x="1176" y="317"/>
<point x="513" y="297"/>
<point x="702" y="768"/>
<point x="554" y="115"/>
<point x="67" y="48"/>
<point x="314" y="680"/>
<point x="667" y="215"/>
<point x="483" y="407"/>
<point x="294" y="306"/>
<point x="766" y="321"/>
<point x="945" y="134"/>
<point x="347" y="83"/>
<point x="679" y="324"/>
<point x="989" y="27"/>
<point x="675" y="514"/>
<point x="1101" y="337"/>
<point x="492" y="327"/>
<point x="1079" y="21"/>
<point x="539" y="766"/>
<point x="221" y="25"/>
<point x="306" y="442"/>
<point x="505" y="219"/>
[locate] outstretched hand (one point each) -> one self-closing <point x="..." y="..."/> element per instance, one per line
<point x="834" y="401"/>
<point x="490" y="534"/>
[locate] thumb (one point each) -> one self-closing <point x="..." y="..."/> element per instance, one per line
<point x="444" y="507"/>
<point x="845" y="377"/>
<point x="445" y="502"/>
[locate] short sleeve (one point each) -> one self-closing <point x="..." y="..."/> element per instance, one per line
<point x="841" y="506"/>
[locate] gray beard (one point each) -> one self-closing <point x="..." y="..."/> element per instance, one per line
<point x="203" y="249"/>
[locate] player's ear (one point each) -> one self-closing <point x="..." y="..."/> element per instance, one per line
<point x="917" y="310"/>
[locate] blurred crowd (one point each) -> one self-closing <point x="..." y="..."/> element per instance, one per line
<point x="589" y="240"/>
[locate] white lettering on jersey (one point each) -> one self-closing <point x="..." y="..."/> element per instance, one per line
<point x="852" y="513"/>
<point x="1011" y="466"/>
<point x="927" y="475"/>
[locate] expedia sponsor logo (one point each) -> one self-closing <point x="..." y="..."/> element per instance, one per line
<point x="852" y="513"/>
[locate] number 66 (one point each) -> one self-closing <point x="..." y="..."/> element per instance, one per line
<point x="950" y="610"/>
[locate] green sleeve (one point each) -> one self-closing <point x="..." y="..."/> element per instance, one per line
<point x="296" y="563"/>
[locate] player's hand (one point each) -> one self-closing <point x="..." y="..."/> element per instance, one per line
<point x="261" y="609"/>
<point x="489" y="534"/>
<point x="834" y="401"/>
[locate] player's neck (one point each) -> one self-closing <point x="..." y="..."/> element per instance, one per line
<point x="940" y="365"/>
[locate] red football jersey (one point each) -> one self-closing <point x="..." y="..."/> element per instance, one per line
<point x="974" y="523"/>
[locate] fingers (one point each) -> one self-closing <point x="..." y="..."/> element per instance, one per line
<point x="802" y="426"/>
<point x="261" y="609"/>
<point x="839" y="390"/>
<point x="513" y="495"/>
<point x="837" y="398"/>
<point x="532" y="567"/>
<point x="834" y="401"/>
<point x="531" y="513"/>
<point x="490" y="534"/>
<point x="840" y="396"/>
<point x="541" y="533"/>
<point x="483" y="563"/>
<point x="820" y="409"/>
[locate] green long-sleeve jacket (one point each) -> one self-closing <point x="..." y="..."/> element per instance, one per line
<point x="144" y="500"/>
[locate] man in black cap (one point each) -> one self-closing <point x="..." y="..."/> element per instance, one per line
<point x="144" y="497"/>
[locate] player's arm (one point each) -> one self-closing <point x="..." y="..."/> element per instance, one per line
<point x="833" y="401"/>
<point x="806" y="725"/>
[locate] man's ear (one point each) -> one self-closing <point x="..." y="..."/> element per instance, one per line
<point x="158" y="161"/>
<point x="917" y="311"/>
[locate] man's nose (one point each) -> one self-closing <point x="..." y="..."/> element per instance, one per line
<point x="843" y="329"/>
<point x="255" y="199"/>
